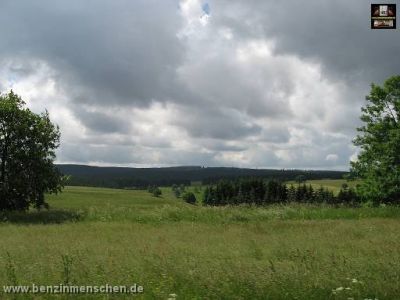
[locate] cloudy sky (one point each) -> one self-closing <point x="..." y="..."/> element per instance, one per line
<point x="255" y="83"/>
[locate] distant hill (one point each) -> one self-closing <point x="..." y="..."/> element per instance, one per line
<point x="116" y="177"/>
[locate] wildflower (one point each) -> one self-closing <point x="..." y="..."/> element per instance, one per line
<point x="354" y="280"/>
<point x="338" y="289"/>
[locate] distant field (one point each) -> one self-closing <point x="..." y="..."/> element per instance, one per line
<point x="332" y="184"/>
<point x="96" y="236"/>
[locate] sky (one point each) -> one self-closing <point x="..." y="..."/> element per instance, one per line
<point x="143" y="83"/>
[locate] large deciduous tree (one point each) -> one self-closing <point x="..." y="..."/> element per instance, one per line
<point x="378" y="163"/>
<point x="27" y="152"/>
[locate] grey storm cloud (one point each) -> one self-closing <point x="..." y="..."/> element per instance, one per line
<point x="106" y="51"/>
<point x="101" y="122"/>
<point x="80" y="153"/>
<point x="120" y="155"/>
<point x="336" y="33"/>
<point x="275" y="134"/>
<point x="217" y="124"/>
<point x="249" y="83"/>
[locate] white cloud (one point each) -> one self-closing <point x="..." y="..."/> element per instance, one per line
<point x="332" y="157"/>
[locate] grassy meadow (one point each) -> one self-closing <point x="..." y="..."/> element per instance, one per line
<point x="94" y="236"/>
<point x="333" y="185"/>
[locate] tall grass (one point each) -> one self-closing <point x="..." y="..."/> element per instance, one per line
<point x="193" y="252"/>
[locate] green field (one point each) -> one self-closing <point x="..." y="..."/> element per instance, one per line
<point x="333" y="185"/>
<point x="95" y="236"/>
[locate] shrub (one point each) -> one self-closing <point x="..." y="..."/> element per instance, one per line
<point x="155" y="191"/>
<point x="178" y="190"/>
<point x="189" y="197"/>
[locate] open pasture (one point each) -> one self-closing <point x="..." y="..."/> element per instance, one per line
<point x="95" y="236"/>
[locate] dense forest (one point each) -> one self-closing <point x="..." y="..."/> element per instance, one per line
<point x="114" y="177"/>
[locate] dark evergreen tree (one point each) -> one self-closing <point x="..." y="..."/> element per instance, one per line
<point x="291" y="194"/>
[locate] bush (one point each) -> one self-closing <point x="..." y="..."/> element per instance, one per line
<point x="178" y="190"/>
<point x="189" y="197"/>
<point x="155" y="191"/>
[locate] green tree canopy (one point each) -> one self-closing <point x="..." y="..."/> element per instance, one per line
<point x="27" y="145"/>
<point x="378" y="162"/>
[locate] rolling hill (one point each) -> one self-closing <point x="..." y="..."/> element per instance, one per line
<point x="122" y="177"/>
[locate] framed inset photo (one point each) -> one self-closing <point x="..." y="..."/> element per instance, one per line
<point x="383" y="16"/>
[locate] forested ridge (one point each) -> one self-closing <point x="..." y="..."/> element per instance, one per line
<point x="119" y="177"/>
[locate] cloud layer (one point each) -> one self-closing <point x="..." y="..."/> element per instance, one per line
<point x="233" y="83"/>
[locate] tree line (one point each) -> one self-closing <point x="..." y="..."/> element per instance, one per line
<point x="260" y="192"/>
<point x="141" y="178"/>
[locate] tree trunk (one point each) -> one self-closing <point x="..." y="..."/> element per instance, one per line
<point x="4" y="155"/>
